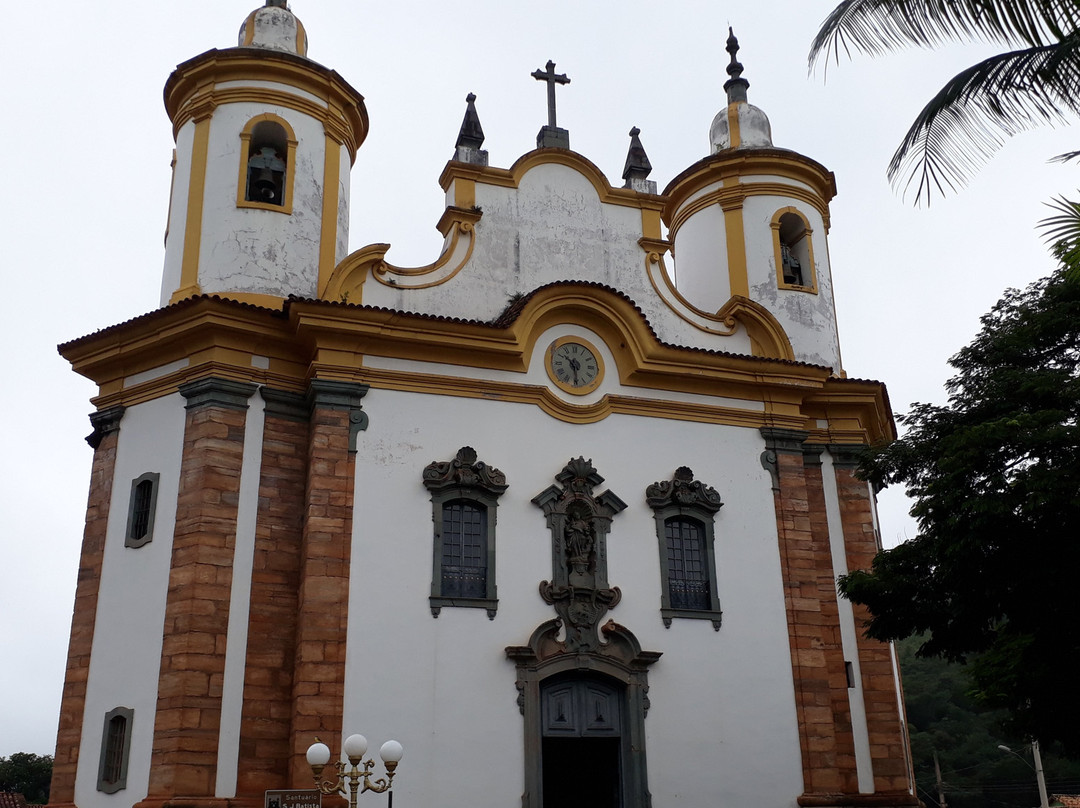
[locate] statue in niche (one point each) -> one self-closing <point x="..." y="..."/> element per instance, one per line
<point x="579" y="522"/>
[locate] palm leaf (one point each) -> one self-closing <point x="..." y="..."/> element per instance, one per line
<point x="1063" y="231"/>
<point x="878" y="26"/>
<point x="970" y="118"/>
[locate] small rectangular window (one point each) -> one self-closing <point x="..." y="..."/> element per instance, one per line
<point x="115" y="747"/>
<point x="688" y="577"/>
<point x="141" y="508"/>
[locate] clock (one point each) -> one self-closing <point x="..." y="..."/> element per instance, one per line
<point x="574" y="365"/>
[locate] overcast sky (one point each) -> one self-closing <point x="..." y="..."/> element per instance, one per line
<point x="87" y="147"/>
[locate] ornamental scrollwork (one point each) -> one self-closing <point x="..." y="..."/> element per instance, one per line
<point x="464" y="471"/>
<point x="683" y="491"/>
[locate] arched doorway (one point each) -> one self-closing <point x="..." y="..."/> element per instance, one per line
<point x="582" y="742"/>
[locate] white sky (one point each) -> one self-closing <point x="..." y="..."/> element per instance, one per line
<point x="87" y="145"/>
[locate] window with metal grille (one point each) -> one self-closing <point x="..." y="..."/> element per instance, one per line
<point x="141" y="507"/>
<point x="115" y="746"/>
<point x="464" y="550"/>
<point x="688" y="574"/>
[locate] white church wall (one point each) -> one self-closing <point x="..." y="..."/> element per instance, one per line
<point x="261" y="251"/>
<point x="809" y="319"/>
<point x="713" y="693"/>
<point x="178" y="203"/>
<point x="700" y="266"/>
<point x="341" y="243"/>
<point x="126" y="653"/>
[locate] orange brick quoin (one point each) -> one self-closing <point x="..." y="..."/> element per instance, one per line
<point x="817" y="662"/>
<point x="322" y="620"/>
<point x="880" y="679"/>
<point x="266" y="720"/>
<point x="188" y="719"/>
<point x="73" y="703"/>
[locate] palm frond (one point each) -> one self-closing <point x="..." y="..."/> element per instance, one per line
<point x="1066" y="157"/>
<point x="1062" y="231"/>
<point x="875" y="27"/>
<point x="970" y="118"/>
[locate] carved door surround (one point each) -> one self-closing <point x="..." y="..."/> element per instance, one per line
<point x="609" y="655"/>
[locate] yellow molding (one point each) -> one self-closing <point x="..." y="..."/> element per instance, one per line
<point x="748" y="163"/>
<point x="735" y="239"/>
<point x="767" y="336"/>
<point x="330" y="202"/>
<point x="778" y="260"/>
<point x="661" y="282"/>
<point x="731" y="196"/>
<point x="346" y="282"/>
<point x="290" y="165"/>
<point x="511" y="177"/>
<point x="189" y="262"/>
<point x="734" y="133"/>
<point x="342" y="105"/>
<point x="313" y="339"/>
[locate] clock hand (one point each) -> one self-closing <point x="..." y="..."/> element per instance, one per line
<point x="575" y="366"/>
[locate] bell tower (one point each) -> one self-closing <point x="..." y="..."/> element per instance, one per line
<point x="265" y="139"/>
<point x="749" y="222"/>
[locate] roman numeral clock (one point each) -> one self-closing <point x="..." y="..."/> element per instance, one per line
<point x="574" y="365"/>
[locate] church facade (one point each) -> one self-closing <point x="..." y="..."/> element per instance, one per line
<point x="558" y="513"/>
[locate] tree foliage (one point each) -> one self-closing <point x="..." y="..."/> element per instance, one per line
<point x="944" y="720"/>
<point x="995" y="475"/>
<point x="1035" y="81"/>
<point x="27" y="774"/>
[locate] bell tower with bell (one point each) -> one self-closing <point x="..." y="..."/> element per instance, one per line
<point x="265" y="139"/>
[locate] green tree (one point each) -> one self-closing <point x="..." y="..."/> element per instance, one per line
<point x="944" y="720"/>
<point x="27" y="774"/>
<point x="1036" y="81"/>
<point x="995" y="475"/>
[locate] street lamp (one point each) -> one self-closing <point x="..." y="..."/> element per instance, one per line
<point x="355" y="746"/>
<point x="1038" y="767"/>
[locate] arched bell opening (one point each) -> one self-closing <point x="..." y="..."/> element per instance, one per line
<point x="268" y="157"/>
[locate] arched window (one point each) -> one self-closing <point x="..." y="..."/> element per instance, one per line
<point x="464" y="498"/>
<point x="793" y="251"/>
<point x="267" y="163"/>
<point x="115" y="747"/>
<point x="684" y="509"/>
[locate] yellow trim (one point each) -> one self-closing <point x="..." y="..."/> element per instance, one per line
<point x="767" y="336"/>
<point x="743" y="163"/>
<point x="290" y="165"/>
<point x="778" y="260"/>
<point x="511" y="178"/>
<point x="549" y="356"/>
<point x="737" y="194"/>
<point x="195" y="82"/>
<point x="667" y="292"/>
<point x="331" y="201"/>
<point x="327" y="341"/>
<point x="189" y="263"/>
<point x="301" y="37"/>
<point x="734" y="133"/>
<point x="738" y="274"/>
<point x="347" y="280"/>
<point x="249" y="28"/>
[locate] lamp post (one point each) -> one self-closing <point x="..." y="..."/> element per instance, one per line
<point x="1040" y="778"/>
<point x="355" y="746"/>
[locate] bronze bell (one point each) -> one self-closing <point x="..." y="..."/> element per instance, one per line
<point x="266" y="171"/>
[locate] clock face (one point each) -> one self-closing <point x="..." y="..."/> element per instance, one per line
<point x="574" y="365"/>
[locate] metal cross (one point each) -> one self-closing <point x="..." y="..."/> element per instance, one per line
<point x="552" y="78"/>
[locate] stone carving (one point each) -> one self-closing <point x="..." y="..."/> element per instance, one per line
<point x="464" y="471"/>
<point x="579" y="522"/>
<point x="683" y="491"/>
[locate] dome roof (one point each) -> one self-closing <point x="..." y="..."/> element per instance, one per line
<point x="273" y="27"/>
<point x="740" y="125"/>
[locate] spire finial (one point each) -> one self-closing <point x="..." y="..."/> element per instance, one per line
<point x="736" y="85"/>
<point x="638" y="167"/>
<point x="471" y="136"/>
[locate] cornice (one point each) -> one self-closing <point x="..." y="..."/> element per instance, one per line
<point x="311" y="340"/>
<point x="194" y="86"/>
